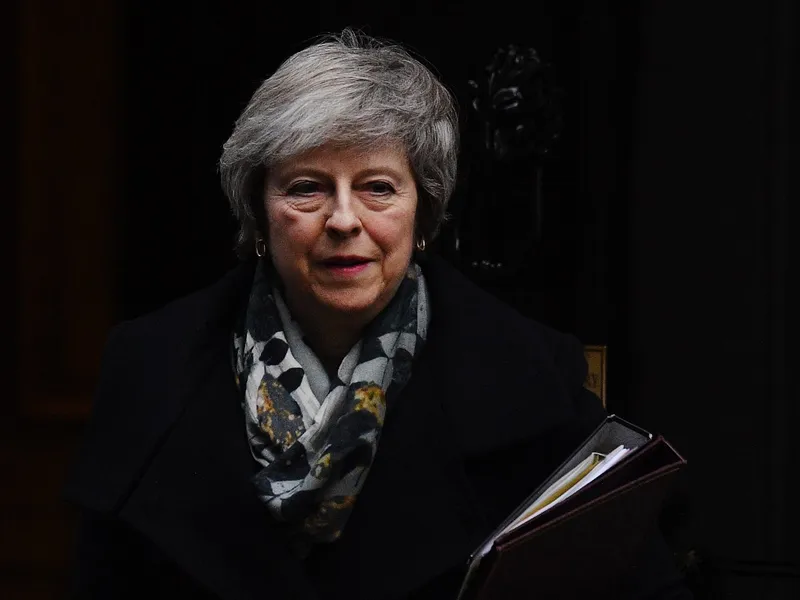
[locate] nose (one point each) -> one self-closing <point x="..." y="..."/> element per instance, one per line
<point x="343" y="220"/>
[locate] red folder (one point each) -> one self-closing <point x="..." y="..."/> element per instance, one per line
<point x="582" y="546"/>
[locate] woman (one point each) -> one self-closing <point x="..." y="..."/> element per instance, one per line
<point x="341" y="416"/>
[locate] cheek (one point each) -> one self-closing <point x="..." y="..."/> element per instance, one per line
<point x="284" y="244"/>
<point x="288" y="231"/>
<point x="396" y="237"/>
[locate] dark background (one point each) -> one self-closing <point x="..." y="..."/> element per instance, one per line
<point x="664" y="232"/>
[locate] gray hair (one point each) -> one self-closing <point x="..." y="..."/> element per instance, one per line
<point x="345" y="89"/>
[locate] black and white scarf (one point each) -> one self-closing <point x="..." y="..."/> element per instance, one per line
<point x="314" y="435"/>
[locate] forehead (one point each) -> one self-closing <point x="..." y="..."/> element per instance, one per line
<point x="338" y="158"/>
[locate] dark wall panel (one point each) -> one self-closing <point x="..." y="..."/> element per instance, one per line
<point x="707" y="259"/>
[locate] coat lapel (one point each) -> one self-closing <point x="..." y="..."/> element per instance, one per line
<point x="415" y="518"/>
<point x="196" y="501"/>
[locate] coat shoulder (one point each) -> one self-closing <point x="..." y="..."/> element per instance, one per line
<point x="509" y="379"/>
<point x="134" y="401"/>
<point x="495" y="330"/>
<point x="211" y="305"/>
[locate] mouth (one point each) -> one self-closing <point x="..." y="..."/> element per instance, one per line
<point x="345" y="265"/>
<point x="345" y="261"/>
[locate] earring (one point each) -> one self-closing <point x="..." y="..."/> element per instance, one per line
<point x="421" y="244"/>
<point x="261" y="247"/>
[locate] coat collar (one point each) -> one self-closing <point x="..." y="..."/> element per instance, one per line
<point x="416" y="517"/>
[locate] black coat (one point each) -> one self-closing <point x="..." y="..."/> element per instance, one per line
<point x="494" y="404"/>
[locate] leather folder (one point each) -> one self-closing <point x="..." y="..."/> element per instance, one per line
<point x="582" y="546"/>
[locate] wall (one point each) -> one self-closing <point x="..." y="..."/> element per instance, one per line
<point x="711" y="171"/>
<point x="57" y="241"/>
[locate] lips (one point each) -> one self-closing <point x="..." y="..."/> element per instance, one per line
<point x="345" y="266"/>
<point x="345" y="261"/>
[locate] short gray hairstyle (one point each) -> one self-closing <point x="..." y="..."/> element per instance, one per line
<point x="348" y="89"/>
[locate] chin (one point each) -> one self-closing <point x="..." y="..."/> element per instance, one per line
<point x="357" y="302"/>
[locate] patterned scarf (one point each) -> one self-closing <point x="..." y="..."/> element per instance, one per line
<point x="314" y="435"/>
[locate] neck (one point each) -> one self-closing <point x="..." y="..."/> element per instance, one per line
<point x="332" y="344"/>
<point x="330" y="336"/>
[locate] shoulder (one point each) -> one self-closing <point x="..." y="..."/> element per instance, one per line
<point x="141" y="351"/>
<point x="509" y="379"/>
<point x="134" y="404"/>
<point x="513" y="389"/>
<point x="498" y="332"/>
<point x="210" y="305"/>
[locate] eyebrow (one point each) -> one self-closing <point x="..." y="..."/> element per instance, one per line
<point x="381" y="171"/>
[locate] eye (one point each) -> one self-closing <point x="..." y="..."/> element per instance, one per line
<point x="380" y="188"/>
<point x="304" y="188"/>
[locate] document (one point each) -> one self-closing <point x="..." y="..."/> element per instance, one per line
<point x="584" y="473"/>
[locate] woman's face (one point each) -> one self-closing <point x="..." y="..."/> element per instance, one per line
<point x="341" y="227"/>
